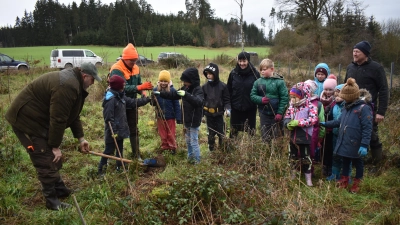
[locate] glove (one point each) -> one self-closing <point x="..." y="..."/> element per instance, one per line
<point x="156" y="92"/>
<point x="179" y="121"/>
<point x="203" y="120"/>
<point x="181" y="93"/>
<point x="227" y="113"/>
<point x="115" y="136"/>
<point x="322" y="124"/>
<point x="278" y="117"/>
<point x="264" y="100"/>
<point x="362" y="151"/>
<point x="289" y="127"/>
<point x="145" y="86"/>
<point x="293" y="123"/>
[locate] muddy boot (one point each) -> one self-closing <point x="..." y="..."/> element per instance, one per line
<point x="308" y="179"/>
<point x="335" y="174"/>
<point x="52" y="201"/>
<point x="355" y="188"/>
<point x="61" y="190"/>
<point x="343" y="182"/>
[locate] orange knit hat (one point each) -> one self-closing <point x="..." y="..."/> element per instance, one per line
<point x="130" y="52"/>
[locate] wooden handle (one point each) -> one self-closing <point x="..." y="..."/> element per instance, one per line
<point x="110" y="156"/>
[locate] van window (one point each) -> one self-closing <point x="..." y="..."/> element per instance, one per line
<point x="89" y="53"/>
<point x="72" y="53"/>
<point x="54" y="53"/>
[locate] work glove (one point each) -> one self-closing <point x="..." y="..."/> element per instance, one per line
<point x="179" y="121"/>
<point x="322" y="124"/>
<point x="227" y="113"/>
<point x="292" y="124"/>
<point x="278" y="117"/>
<point x="156" y="92"/>
<point x="145" y="86"/>
<point x="181" y="93"/>
<point x="264" y="100"/>
<point x="362" y="151"/>
<point x="203" y="119"/>
<point x="115" y="136"/>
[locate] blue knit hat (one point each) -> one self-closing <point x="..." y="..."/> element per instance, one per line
<point x="363" y="46"/>
<point x="339" y="87"/>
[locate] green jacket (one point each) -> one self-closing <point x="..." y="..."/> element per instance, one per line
<point x="275" y="89"/>
<point x="49" y="105"/>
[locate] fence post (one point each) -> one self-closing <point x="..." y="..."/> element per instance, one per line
<point x="309" y="69"/>
<point x="204" y="60"/>
<point x="338" y="77"/>
<point x="391" y="78"/>
<point x="289" y="70"/>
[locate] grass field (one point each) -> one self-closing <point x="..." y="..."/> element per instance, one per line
<point x="109" y="54"/>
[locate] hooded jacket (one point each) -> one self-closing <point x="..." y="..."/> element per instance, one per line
<point x="240" y="83"/>
<point x="320" y="83"/>
<point x="275" y="89"/>
<point x="192" y="101"/>
<point x="48" y="105"/>
<point x="216" y="93"/>
<point x="170" y="108"/>
<point x="371" y="76"/>
<point x="114" y="111"/>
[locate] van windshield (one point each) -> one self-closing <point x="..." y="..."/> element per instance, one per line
<point x="89" y="53"/>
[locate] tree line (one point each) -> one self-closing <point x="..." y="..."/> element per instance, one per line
<point x="94" y="23"/>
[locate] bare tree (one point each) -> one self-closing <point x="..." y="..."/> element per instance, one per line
<point x="241" y="3"/>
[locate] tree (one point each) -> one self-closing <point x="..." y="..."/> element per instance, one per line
<point x="241" y="3"/>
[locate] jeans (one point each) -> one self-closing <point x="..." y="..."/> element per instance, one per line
<point x="358" y="164"/>
<point x="216" y="126"/>
<point x="192" y="142"/>
<point x="109" y="150"/>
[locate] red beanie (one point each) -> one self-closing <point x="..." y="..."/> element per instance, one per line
<point x="130" y="52"/>
<point x="117" y="83"/>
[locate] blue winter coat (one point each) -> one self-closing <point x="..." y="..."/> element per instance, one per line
<point x="355" y="127"/>
<point x="170" y="108"/>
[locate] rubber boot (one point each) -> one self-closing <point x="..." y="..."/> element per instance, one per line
<point x="343" y="182"/>
<point x="135" y="147"/>
<point x="308" y="179"/>
<point x="335" y="176"/>
<point x="61" y="190"/>
<point x="355" y="188"/>
<point x="52" y="201"/>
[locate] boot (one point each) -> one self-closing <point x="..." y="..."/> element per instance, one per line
<point x="52" y="202"/>
<point x="355" y="188"/>
<point x="61" y="190"/>
<point x="308" y="179"/>
<point x="335" y="174"/>
<point x="343" y="182"/>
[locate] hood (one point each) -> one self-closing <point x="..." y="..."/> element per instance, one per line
<point x="365" y="95"/>
<point x="191" y="75"/>
<point x="212" y="68"/>
<point x="324" y="67"/>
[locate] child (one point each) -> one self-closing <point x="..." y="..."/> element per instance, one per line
<point x="300" y="119"/>
<point x="216" y="103"/>
<point x="167" y="111"/>
<point x="355" y="127"/>
<point x="321" y="72"/>
<point x="114" y="111"/>
<point x="271" y="96"/>
<point x="192" y="103"/>
<point x="327" y="99"/>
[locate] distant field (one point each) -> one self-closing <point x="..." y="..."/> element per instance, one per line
<point x="109" y="54"/>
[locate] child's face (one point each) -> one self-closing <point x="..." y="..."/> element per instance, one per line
<point x="337" y="98"/>
<point x="187" y="84"/>
<point x="320" y="76"/>
<point x="210" y="76"/>
<point x="294" y="99"/>
<point x="329" y="92"/>
<point x="163" y="84"/>
<point x="267" y="72"/>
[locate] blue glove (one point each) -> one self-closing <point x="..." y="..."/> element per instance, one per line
<point x="181" y="93"/>
<point x="362" y="151"/>
<point x="322" y="124"/>
<point x="156" y="92"/>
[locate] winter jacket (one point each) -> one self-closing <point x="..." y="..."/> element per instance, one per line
<point x="275" y="89"/>
<point x="114" y="111"/>
<point x="307" y="115"/>
<point x="170" y="109"/>
<point x="192" y="101"/>
<point x="355" y="127"/>
<point x="240" y="82"/>
<point x="48" y="105"/>
<point x="132" y="77"/>
<point x="216" y="96"/>
<point x="371" y="76"/>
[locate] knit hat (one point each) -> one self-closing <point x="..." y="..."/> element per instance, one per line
<point x="212" y="68"/>
<point x="244" y="55"/>
<point x="339" y="87"/>
<point x="129" y="52"/>
<point x="297" y="93"/>
<point x="330" y="82"/>
<point x="350" y="91"/>
<point x="164" y="76"/>
<point x="311" y="85"/>
<point x="363" y="46"/>
<point x="117" y="82"/>
<point x="322" y="67"/>
<point x="90" y="69"/>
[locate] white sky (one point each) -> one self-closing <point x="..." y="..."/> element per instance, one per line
<point x="253" y="10"/>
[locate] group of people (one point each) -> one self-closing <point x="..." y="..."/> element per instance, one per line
<point x="318" y="113"/>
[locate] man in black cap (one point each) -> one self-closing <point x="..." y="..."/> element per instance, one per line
<point x="39" y="116"/>
<point x="371" y="76"/>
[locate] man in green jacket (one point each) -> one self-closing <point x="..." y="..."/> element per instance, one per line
<point x="39" y="116"/>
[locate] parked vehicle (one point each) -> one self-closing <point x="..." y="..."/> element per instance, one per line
<point x="69" y="58"/>
<point x="8" y="63"/>
<point x="143" y="61"/>
<point x="166" y="55"/>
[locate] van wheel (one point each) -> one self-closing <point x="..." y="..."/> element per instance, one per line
<point x="98" y="64"/>
<point x="67" y="66"/>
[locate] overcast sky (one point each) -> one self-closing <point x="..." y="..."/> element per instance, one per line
<point x="253" y="10"/>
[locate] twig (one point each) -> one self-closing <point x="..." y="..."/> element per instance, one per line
<point x="79" y="210"/>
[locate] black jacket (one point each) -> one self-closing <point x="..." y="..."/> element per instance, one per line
<point x="192" y="101"/>
<point x="371" y="76"/>
<point x="240" y="83"/>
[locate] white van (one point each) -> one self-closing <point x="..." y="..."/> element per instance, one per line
<point x="69" y="58"/>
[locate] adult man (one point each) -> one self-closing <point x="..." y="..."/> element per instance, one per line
<point x="126" y="68"/>
<point x="39" y="116"/>
<point x="371" y="76"/>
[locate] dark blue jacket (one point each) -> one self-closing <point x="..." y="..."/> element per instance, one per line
<point x="170" y="108"/>
<point x="355" y="127"/>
